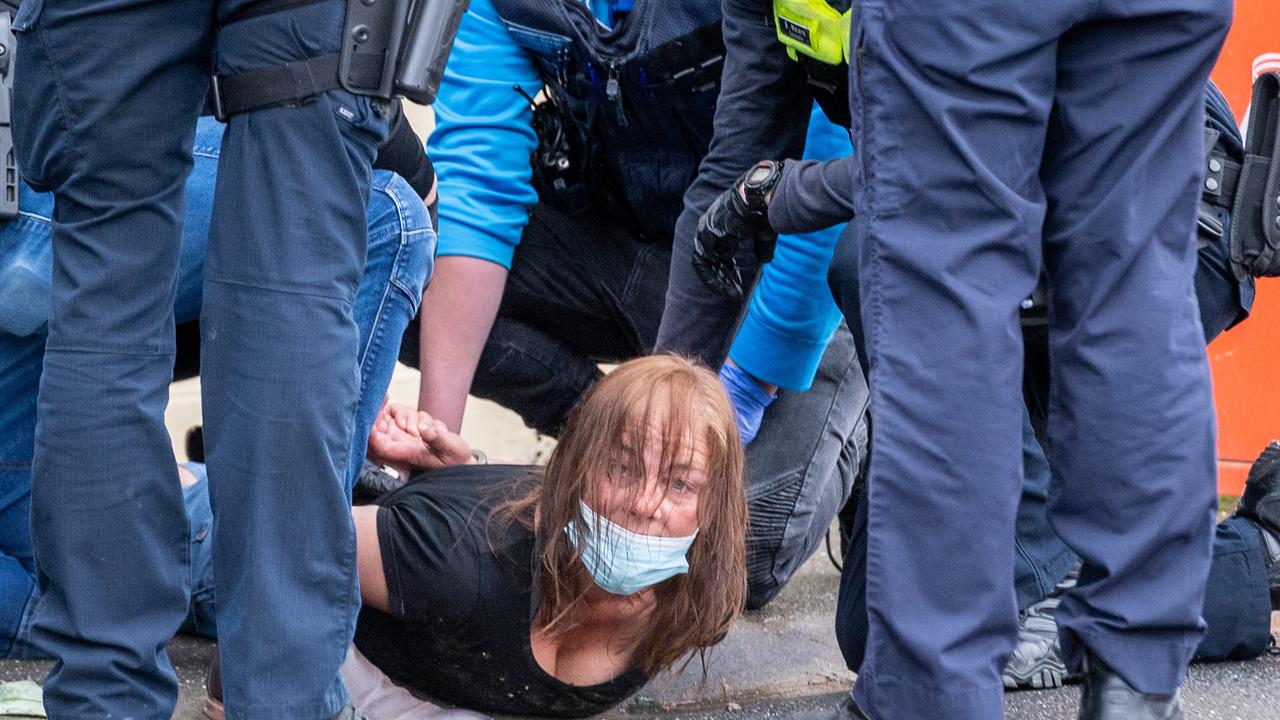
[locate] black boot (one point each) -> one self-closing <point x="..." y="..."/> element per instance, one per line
<point x="1271" y="560"/>
<point x="1106" y="696"/>
<point x="1261" y="506"/>
<point x="1261" y="501"/>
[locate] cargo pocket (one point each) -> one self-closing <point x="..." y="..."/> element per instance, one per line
<point x="37" y="120"/>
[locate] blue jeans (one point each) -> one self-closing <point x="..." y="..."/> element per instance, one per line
<point x="1237" y="605"/>
<point x="399" y="262"/>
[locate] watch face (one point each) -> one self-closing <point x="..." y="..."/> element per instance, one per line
<point x="759" y="174"/>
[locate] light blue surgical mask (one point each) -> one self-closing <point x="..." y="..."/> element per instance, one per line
<point x="625" y="562"/>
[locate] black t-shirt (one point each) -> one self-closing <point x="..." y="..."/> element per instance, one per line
<point x="462" y="608"/>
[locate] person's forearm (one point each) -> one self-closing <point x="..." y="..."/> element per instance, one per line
<point x="458" y="310"/>
<point x="813" y="195"/>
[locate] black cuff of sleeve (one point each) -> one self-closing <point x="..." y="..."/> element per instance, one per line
<point x="404" y="155"/>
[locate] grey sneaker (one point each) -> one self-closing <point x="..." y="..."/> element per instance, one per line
<point x="1037" y="659"/>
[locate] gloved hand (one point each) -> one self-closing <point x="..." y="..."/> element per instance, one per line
<point x="748" y="398"/>
<point x="728" y="221"/>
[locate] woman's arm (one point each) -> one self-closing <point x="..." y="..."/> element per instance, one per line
<point x="373" y="581"/>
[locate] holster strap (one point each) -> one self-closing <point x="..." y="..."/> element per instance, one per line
<point x="293" y="83"/>
<point x="1221" y="179"/>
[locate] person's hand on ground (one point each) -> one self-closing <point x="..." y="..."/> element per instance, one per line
<point x="407" y="440"/>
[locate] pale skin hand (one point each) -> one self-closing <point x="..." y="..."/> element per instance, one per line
<point x="407" y="440"/>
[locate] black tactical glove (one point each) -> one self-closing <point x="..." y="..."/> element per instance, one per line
<point x="729" y="221"/>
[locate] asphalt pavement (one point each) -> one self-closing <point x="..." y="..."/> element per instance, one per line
<point x="783" y="660"/>
<point x="1227" y="691"/>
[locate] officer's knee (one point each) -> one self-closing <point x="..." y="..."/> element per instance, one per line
<point x="400" y="235"/>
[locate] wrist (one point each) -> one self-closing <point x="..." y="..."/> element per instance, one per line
<point x="748" y="398"/>
<point x="767" y="388"/>
<point x="743" y="387"/>
<point x="758" y="184"/>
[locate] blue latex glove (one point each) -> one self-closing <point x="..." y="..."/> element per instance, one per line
<point x="748" y="399"/>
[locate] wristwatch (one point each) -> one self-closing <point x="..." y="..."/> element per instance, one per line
<point x="759" y="182"/>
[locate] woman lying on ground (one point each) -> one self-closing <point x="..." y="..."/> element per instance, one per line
<point x="554" y="592"/>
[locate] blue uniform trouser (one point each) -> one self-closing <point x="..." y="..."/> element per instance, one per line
<point x="106" y="97"/>
<point x="1237" y="606"/>
<point x="401" y="245"/>
<point x="993" y="139"/>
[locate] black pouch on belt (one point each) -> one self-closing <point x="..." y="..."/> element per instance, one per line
<point x="1255" y="215"/>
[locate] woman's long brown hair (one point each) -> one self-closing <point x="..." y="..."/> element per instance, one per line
<point x="680" y="402"/>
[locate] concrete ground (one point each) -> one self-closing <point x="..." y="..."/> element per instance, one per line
<point x="774" y="663"/>
<point x="783" y="660"/>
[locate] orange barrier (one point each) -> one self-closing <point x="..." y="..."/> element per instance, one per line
<point x="1246" y="383"/>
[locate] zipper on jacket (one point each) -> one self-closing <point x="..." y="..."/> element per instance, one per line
<point x="613" y="92"/>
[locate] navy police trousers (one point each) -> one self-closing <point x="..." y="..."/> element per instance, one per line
<point x="1237" y="605"/>
<point x="994" y="136"/>
<point x="106" y="96"/>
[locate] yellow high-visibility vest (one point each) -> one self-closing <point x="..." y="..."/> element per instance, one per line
<point x="814" y="29"/>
